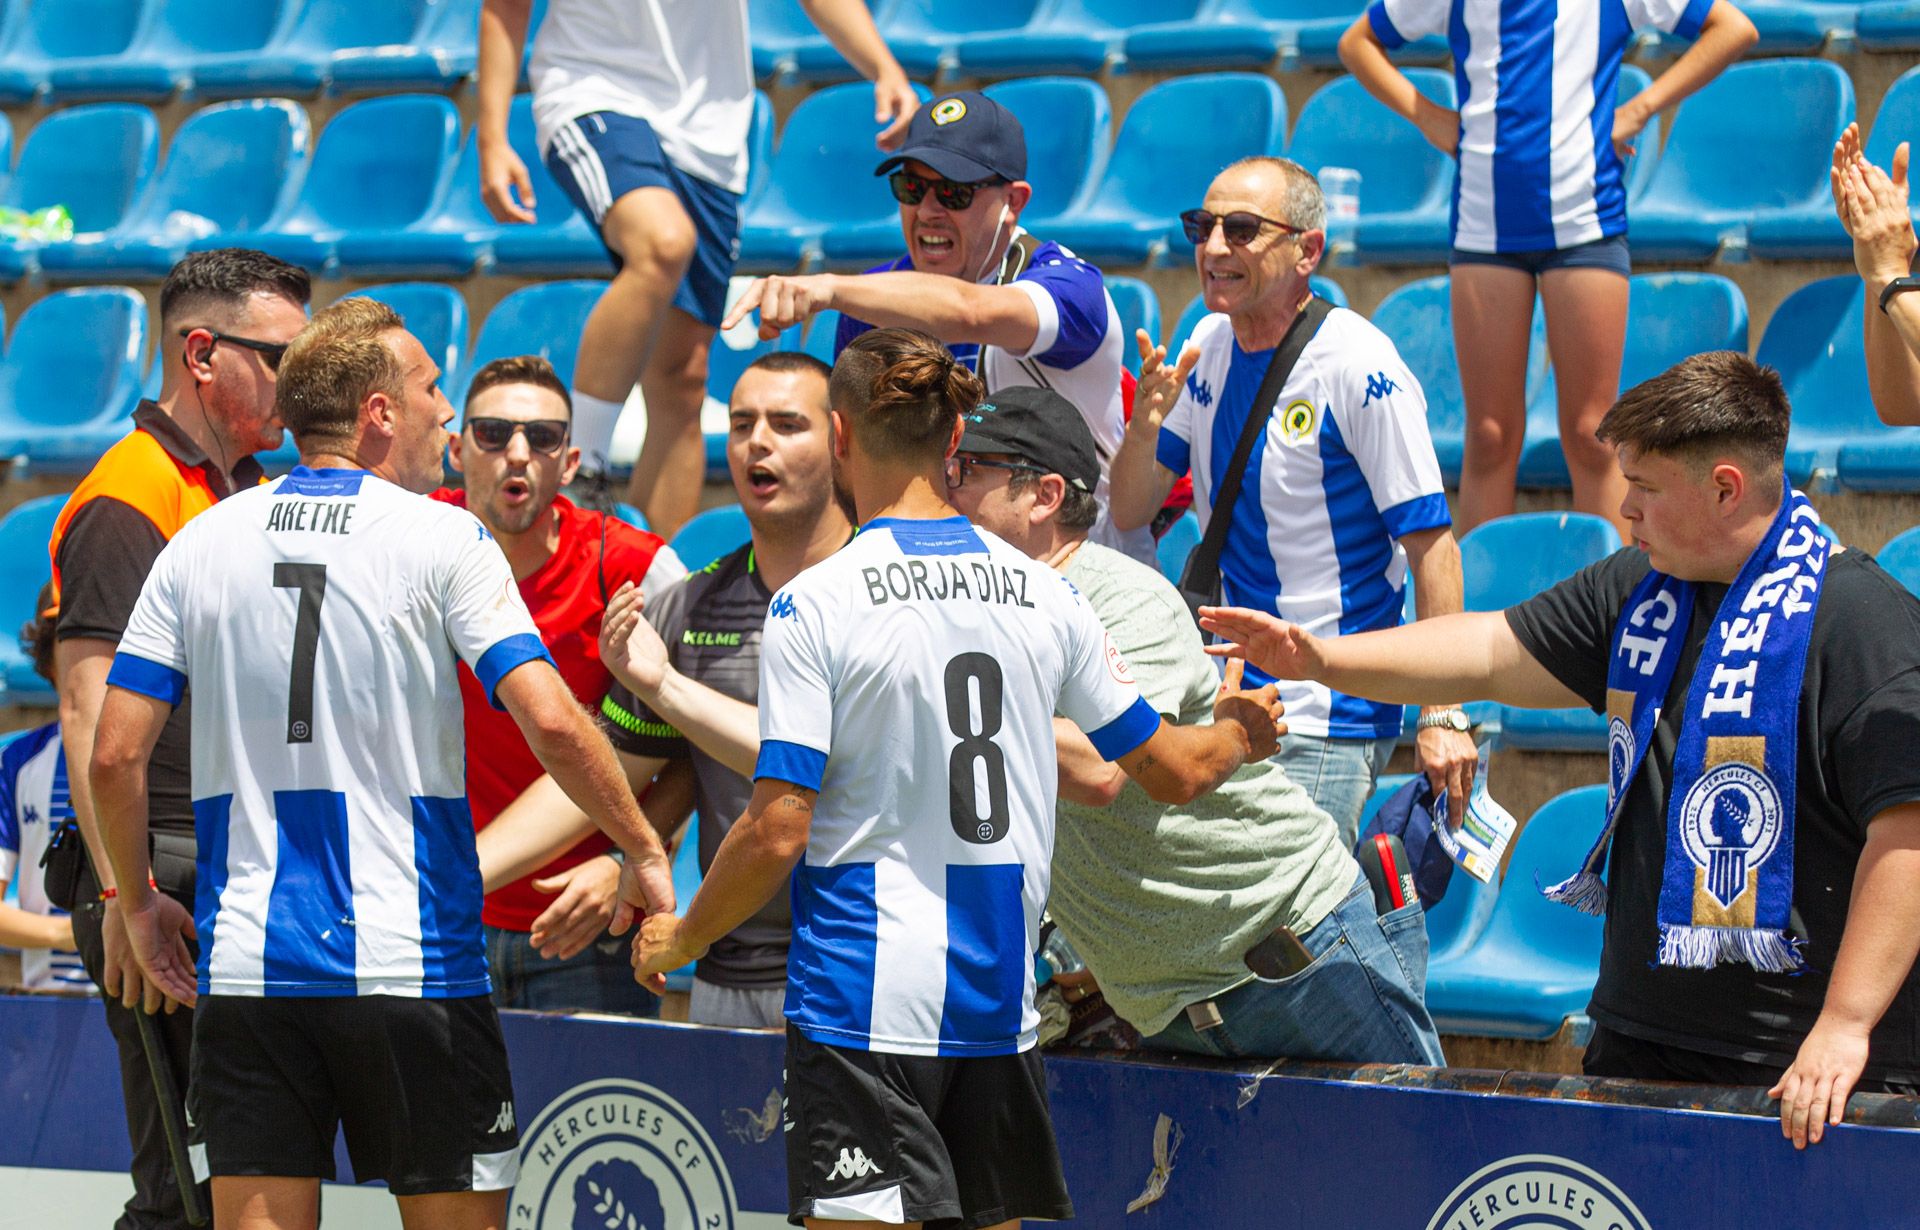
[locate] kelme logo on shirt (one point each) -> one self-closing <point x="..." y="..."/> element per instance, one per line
<point x="698" y="636"/>
<point x="619" y="1155"/>
<point x="1537" y="1189"/>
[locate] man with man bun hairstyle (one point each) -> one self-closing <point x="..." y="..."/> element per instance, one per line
<point x="906" y="780"/>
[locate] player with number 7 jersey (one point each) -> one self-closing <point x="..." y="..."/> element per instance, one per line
<point x="908" y="686"/>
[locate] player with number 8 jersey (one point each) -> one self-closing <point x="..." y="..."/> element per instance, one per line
<point x="908" y="686"/>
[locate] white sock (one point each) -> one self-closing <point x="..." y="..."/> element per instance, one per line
<point x="593" y="423"/>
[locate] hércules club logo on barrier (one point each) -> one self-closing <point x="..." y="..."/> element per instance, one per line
<point x="619" y="1155"/>
<point x="1533" y="1190"/>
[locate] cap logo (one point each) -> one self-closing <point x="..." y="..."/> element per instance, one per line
<point x="947" y="110"/>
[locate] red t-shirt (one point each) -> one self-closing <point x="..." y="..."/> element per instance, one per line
<point x="566" y="600"/>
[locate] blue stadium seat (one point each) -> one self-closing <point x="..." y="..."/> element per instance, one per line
<point x="710" y="535"/>
<point x="1067" y="36"/>
<point x="302" y="57"/>
<point x="1458" y="918"/>
<point x="1707" y="190"/>
<point x="1812" y="232"/>
<point x="778" y="28"/>
<point x="1901" y="558"/>
<point x="1069" y="126"/>
<point x="631" y="515"/>
<point x="821" y="331"/>
<point x="1670" y="316"/>
<point x="1253" y="33"/>
<point x="1786" y="28"/>
<point x="24" y="568"/>
<point x="40" y="37"/>
<point x="441" y="52"/>
<point x="1139" y="308"/>
<point x="1419" y="319"/>
<point x="458" y="237"/>
<point x="1406" y="185"/>
<point x="1507" y="561"/>
<point x="231" y="167"/>
<point x="923" y="34"/>
<point x="96" y="160"/>
<point x="1535" y="964"/>
<point x="434" y="312"/>
<point x="1889" y="25"/>
<point x="1813" y="340"/>
<point x="1069" y="129"/>
<point x="1196" y="308"/>
<point x="381" y="165"/>
<point x="826" y="145"/>
<point x="181" y="40"/>
<point x="1646" y="155"/>
<point x="71" y="376"/>
<point x="1175" y="139"/>
<point x="726" y="360"/>
<point x="545" y="320"/>
<point x="1176" y="544"/>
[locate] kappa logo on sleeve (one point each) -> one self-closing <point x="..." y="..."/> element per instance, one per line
<point x="1378" y="385"/>
<point x="782" y="606"/>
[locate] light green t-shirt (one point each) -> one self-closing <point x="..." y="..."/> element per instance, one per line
<point x="1162" y="901"/>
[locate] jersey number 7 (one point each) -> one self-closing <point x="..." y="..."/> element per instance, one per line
<point x="311" y="581"/>
<point x="976" y="752"/>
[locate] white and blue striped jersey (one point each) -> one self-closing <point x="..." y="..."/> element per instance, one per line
<point x="1536" y="81"/>
<point x="320" y="619"/>
<point x="1347" y="469"/>
<point x="33" y="799"/>
<point x="912" y="680"/>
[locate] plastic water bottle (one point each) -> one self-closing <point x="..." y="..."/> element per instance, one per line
<point x="1341" y="188"/>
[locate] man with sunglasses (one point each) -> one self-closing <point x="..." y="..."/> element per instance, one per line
<point x="1017" y="309"/>
<point x="226" y="316"/>
<point x="1342" y="502"/>
<point x="547" y="946"/>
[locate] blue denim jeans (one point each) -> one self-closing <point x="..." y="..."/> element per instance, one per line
<point x="598" y="978"/>
<point x="1339" y="774"/>
<point x="1362" y="1000"/>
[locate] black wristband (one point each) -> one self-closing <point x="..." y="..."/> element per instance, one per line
<point x="1895" y="287"/>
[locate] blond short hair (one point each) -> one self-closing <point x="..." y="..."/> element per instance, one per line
<point x="339" y="360"/>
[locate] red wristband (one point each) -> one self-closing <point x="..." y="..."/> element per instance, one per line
<point x="108" y="894"/>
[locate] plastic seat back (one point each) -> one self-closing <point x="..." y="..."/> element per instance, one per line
<point x="759" y="147"/>
<point x="95" y="160"/>
<point x="1180" y="134"/>
<point x="1139" y="308"/>
<point x="190" y="28"/>
<point x="382" y="164"/>
<point x="24" y="568"/>
<point x="1793" y="109"/>
<point x="545" y="320"/>
<point x="1069" y="127"/>
<point x="434" y="312"/>
<point x="75" y="29"/>
<point x="943" y="19"/>
<point x="1901" y="559"/>
<point x="1344" y="126"/>
<point x="1897" y="120"/>
<point x="1176" y="544"/>
<point x="1550" y="848"/>
<point x="74" y="359"/>
<point x="1814" y="341"/>
<point x="821" y="163"/>
<point x="232" y="166"/>
<point x="1675" y="315"/>
<point x="710" y="535"/>
<point x="1461" y="914"/>
<point x="1114" y="16"/>
<point x="1510" y="559"/>
<point x="327" y="26"/>
<point x="1285" y="11"/>
<point x="1646" y="151"/>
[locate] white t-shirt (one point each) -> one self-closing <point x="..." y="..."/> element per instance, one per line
<point x="320" y="618"/>
<point x="1346" y="470"/>
<point x="1537" y="81"/>
<point x="33" y="798"/>
<point x="912" y="679"/>
<point x="684" y="66"/>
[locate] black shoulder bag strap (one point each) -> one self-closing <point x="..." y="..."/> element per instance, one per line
<point x="1200" y="580"/>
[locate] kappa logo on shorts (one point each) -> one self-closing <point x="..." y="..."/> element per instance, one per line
<point x="1537" y="1189"/>
<point x="853" y="1164"/>
<point x="502" y="1122"/>
<point x="619" y="1155"/>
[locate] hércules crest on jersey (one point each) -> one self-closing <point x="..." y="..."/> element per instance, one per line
<point x="1298" y="421"/>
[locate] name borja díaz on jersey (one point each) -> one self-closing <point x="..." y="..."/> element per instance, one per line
<point x="938" y="580"/>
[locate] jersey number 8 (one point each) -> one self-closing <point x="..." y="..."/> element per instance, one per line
<point x="976" y="753"/>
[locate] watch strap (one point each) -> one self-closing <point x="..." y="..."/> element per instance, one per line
<point x="1895" y="287"/>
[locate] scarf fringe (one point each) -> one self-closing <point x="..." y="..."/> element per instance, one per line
<point x="1585" y="892"/>
<point x="1769" y="951"/>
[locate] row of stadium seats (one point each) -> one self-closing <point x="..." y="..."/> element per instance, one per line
<point x="74" y="365"/>
<point x="390" y="189"/>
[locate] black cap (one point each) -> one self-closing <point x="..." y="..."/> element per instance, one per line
<point x="966" y="137"/>
<point x="1036" y="425"/>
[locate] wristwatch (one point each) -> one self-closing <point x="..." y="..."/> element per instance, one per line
<point x="1447" y="719"/>
<point x="1895" y="287"/>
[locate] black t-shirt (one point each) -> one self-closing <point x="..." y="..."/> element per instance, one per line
<point x="1859" y="754"/>
<point x="711" y="624"/>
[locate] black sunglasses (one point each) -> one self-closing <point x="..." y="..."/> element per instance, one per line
<point x="911" y="189"/>
<point x="270" y="352"/>
<point x="1241" y="228"/>
<point x="960" y="465"/>
<point x="543" y="435"/>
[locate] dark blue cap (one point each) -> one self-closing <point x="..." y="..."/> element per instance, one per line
<point x="966" y="137"/>
<point x="1409" y="815"/>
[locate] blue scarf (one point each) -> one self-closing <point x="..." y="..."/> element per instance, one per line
<point x="1727" y="887"/>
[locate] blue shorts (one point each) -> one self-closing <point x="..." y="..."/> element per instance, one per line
<point x="599" y="158"/>
<point x="1599" y="254"/>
